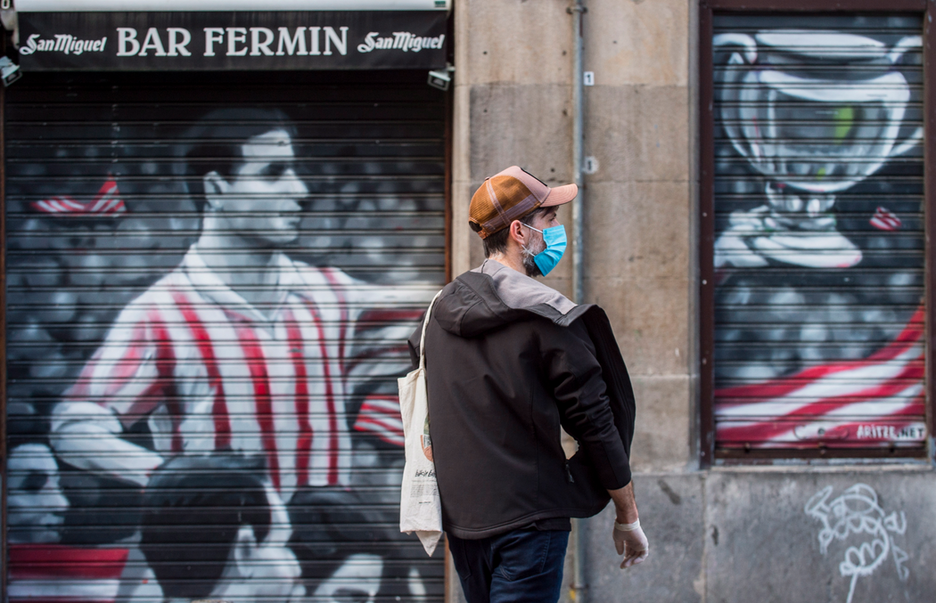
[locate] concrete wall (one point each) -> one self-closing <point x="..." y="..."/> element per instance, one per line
<point x="757" y="535"/>
<point x="512" y="106"/>
<point x="719" y="535"/>
<point x="639" y="258"/>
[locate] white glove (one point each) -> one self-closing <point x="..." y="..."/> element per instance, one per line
<point x="630" y="541"/>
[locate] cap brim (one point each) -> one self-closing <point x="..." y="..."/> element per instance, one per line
<point x="560" y="195"/>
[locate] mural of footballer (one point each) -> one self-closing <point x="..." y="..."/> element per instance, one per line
<point x="240" y="349"/>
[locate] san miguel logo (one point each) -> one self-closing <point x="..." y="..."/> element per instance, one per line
<point x="64" y="43"/>
<point x="400" y="40"/>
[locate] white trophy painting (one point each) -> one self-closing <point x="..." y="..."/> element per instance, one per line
<point x="818" y="255"/>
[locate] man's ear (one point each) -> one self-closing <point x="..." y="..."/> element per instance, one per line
<point x="244" y="547"/>
<point x="516" y="232"/>
<point x="215" y="186"/>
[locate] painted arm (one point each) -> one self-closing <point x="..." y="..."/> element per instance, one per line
<point x="120" y="385"/>
<point x="87" y="435"/>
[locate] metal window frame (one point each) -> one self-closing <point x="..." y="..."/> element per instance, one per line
<point x="708" y="455"/>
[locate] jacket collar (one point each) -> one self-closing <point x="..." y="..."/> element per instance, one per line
<point x="521" y="292"/>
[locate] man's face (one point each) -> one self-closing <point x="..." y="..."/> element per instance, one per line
<point x="535" y="243"/>
<point x="36" y="502"/>
<point x="261" y="202"/>
<point x="273" y="568"/>
<point x="265" y="570"/>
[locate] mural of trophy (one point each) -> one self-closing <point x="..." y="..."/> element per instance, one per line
<point x="815" y="113"/>
<point x="816" y="290"/>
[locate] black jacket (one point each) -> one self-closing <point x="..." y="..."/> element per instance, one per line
<point x="509" y="360"/>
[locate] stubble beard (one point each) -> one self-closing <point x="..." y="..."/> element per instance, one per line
<point x="528" y="253"/>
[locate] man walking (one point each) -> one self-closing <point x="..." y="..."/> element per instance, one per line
<point x="510" y="361"/>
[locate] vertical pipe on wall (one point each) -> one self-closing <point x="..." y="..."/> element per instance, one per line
<point x="578" y="279"/>
<point x="579" y="587"/>
<point x="706" y="238"/>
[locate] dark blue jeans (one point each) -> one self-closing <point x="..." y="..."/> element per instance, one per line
<point x="522" y="566"/>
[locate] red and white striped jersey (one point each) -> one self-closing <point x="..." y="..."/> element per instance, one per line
<point x="871" y="402"/>
<point x="211" y="372"/>
<point x="54" y="573"/>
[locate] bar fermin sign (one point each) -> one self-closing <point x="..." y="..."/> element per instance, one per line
<point x="193" y="41"/>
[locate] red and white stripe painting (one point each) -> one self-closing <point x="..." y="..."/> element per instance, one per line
<point x="878" y="401"/>
<point x="107" y="203"/>
<point x="209" y="372"/>
<point x="884" y="219"/>
<point x="52" y="573"/>
<point x="380" y="415"/>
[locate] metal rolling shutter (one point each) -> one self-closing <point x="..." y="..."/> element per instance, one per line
<point x="819" y="251"/>
<point x="105" y="305"/>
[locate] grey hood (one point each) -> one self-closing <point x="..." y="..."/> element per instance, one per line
<point x="493" y="295"/>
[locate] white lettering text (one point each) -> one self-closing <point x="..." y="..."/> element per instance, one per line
<point x="235" y="35"/>
<point x="256" y="46"/>
<point x="291" y="44"/>
<point x="341" y="44"/>
<point x="178" y="47"/>
<point x="127" y="38"/>
<point x="213" y="35"/>
<point x="152" y="42"/>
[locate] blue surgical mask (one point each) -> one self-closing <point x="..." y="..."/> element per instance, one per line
<point x="555" y="239"/>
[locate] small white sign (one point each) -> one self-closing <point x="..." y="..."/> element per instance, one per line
<point x="589" y="78"/>
<point x="590" y="165"/>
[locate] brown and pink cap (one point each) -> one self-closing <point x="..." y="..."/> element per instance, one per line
<point x="510" y="195"/>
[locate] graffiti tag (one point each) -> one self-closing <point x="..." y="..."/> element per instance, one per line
<point x="857" y="512"/>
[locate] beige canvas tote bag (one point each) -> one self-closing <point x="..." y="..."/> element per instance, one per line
<point x="420" y="505"/>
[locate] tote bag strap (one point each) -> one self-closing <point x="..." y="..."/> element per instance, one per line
<point x="422" y="338"/>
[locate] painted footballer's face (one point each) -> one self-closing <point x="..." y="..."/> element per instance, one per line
<point x="274" y="570"/>
<point x="35" y="497"/>
<point x="266" y="570"/>
<point x="261" y="201"/>
<point x="357" y="579"/>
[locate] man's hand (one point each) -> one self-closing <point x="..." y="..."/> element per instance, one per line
<point x="629" y="538"/>
<point x="630" y="541"/>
